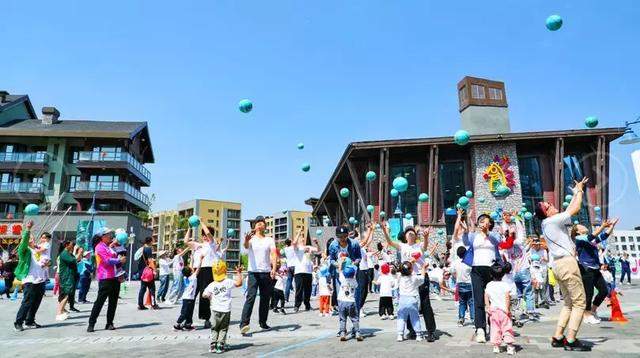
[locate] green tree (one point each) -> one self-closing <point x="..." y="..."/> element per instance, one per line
<point x="244" y="260"/>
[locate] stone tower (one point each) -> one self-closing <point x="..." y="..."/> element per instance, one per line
<point x="483" y="106"/>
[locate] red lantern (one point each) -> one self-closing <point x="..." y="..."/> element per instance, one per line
<point x="3" y="229"/>
<point x="16" y="229"/>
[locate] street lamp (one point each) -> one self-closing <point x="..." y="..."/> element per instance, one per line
<point x="630" y="137"/>
<point x="132" y="239"/>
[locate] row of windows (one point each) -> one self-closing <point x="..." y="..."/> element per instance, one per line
<point x="478" y="92"/>
<point x="624" y="239"/>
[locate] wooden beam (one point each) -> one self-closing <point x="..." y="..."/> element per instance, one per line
<point x="558" y="180"/>
<point x="344" y="210"/>
<point x="380" y="181"/>
<point x="358" y="189"/>
<point x="386" y="183"/>
<point x="324" y="205"/>
<point x="430" y="173"/>
<point x="434" y="186"/>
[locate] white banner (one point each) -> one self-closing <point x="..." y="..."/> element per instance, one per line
<point x="635" y="158"/>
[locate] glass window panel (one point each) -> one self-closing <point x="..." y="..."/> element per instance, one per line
<point x="573" y="171"/>
<point x="531" y="183"/>
<point x="452" y="187"/>
<point x="406" y="202"/>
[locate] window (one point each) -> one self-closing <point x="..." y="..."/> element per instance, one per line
<point x="477" y="91"/>
<point x="407" y="202"/>
<point x="56" y="148"/>
<point x="495" y="93"/>
<point x="107" y="153"/>
<point x="73" y="182"/>
<point x="233" y="214"/>
<point x="531" y="183"/>
<point x="104" y="182"/>
<point x="623" y="239"/>
<point x="210" y="210"/>
<point x="573" y="171"/>
<point x="452" y="187"/>
<point x="52" y="179"/>
<point x="462" y="94"/>
<point x="74" y="154"/>
<point x="624" y="247"/>
<point x="637" y="238"/>
<point x="632" y="247"/>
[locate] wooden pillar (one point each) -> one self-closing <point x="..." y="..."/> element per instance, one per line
<point x="358" y="189"/>
<point x="324" y="205"/>
<point x="340" y="203"/>
<point x="558" y="178"/>
<point x="383" y="180"/>
<point x="433" y="182"/>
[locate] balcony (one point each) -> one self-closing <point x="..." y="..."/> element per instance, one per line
<point x="113" y="160"/>
<point x="112" y="191"/>
<point x="28" y="162"/>
<point x="21" y="192"/>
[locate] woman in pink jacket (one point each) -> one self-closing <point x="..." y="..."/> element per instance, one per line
<point x="108" y="285"/>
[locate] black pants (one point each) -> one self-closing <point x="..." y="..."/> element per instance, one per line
<point x="107" y="289"/>
<point x="625" y="272"/>
<point x="591" y="278"/>
<point x="257" y="281"/>
<point x="385" y="306"/>
<point x="277" y="299"/>
<point x="143" y="289"/>
<point x="425" y="307"/>
<point x="186" y="312"/>
<point x="334" y="293"/>
<point x="362" y="277"/>
<point x="8" y="282"/>
<point x="480" y="277"/>
<point x="205" y="277"/>
<point x="303" y="283"/>
<point x="33" y="293"/>
<point x="72" y="295"/>
<point x="371" y="276"/>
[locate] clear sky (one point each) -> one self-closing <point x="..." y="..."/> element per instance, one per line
<point x="320" y="72"/>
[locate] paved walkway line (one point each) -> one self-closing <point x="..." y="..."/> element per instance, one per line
<point x="295" y="346"/>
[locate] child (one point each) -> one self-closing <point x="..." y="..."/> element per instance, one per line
<point x="324" y="291"/>
<point x="188" y="300"/>
<point x="409" y="300"/>
<point x="607" y="276"/>
<point x="462" y="273"/>
<point x="85" y="269"/>
<point x="376" y="275"/>
<point x="219" y="292"/>
<point x="387" y="284"/>
<point x="435" y="279"/>
<point x="43" y="250"/>
<point x="537" y="280"/>
<point x="314" y="282"/>
<point x="278" y="291"/>
<point x="497" y="299"/>
<point x="346" y="301"/>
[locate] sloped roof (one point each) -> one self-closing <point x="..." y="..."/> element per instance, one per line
<point x="12" y="100"/>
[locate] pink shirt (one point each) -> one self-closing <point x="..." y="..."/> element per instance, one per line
<point x="107" y="260"/>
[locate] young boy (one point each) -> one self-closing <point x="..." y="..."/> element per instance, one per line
<point x="387" y="283"/>
<point x="278" y="291"/>
<point x="188" y="300"/>
<point x="347" y="302"/>
<point x="324" y="291"/>
<point x="219" y="292"/>
<point x="43" y="249"/>
<point x="462" y="273"/>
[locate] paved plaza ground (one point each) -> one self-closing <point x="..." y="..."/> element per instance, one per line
<point x="149" y="333"/>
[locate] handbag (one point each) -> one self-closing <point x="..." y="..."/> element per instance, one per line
<point x="147" y="273"/>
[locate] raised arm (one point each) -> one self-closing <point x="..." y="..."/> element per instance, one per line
<point x="385" y="232"/>
<point x="247" y="239"/>
<point x="576" y="201"/>
<point x="366" y="240"/>
<point x="238" y="277"/>
<point x="425" y="238"/>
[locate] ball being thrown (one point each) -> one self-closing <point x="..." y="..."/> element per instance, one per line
<point x="245" y="106"/>
<point x="554" y="22"/>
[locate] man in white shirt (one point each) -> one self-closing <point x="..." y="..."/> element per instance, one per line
<point x="262" y="270"/>
<point x="565" y="268"/>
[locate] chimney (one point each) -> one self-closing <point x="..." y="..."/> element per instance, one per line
<point x="50" y="115"/>
<point x="3" y="96"/>
<point x="483" y="106"/>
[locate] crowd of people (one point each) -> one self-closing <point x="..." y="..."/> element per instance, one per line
<point x="492" y="270"/>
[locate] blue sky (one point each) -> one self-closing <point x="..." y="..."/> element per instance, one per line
<point x="324" y="73"/>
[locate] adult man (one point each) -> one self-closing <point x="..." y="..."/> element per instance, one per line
<point x="343" y="246"/>
<point x="565" y="268"/>
<point x="34" y="276"/>
<point x="262" y="270"/>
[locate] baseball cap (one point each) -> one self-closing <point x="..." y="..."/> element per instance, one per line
<point x="349" y="271"/>
<point x="342" y="230"/>
<point x="219" y="270"/>
<point x="104" y="231"/>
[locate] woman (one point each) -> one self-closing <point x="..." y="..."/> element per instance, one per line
<point x="362" y="276"/>
<point x="482" y="253"/>
<point x="145" y="262"/>
<point x="415" y="252"/>
<point x="303" y="276"/>
<point x="164" y="271"/>
<point x="177" y="265"/>
<point x="67" y="272"/>
<point x="589" y="260"/>
<point x="108" y="285"/>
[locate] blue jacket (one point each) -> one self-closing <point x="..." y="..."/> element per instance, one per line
<point x="467" y="240"/>
<point x="588" y="250"/>
<point x="352" y="250"/>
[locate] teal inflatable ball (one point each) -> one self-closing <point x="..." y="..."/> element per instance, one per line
<point x="469" y="194"/>
<point x="371" y="208"/>
<point x="31" y="209"/>
<point x="565" y="205"/>
<point x="306" y="167"/>
<point x="463" y="201"/>
<point x="535" y="257"/>
<point x="568" y="198"/>
<point x="300" y="146"/>
<point x="371" y="176"/>
<point x="122" y="238"/>
<point x="597" y="209"/>
<point x="356" y="222"/>
<point x="245" y="106"/>
<point x="344" y="192"/>
<point x="395" y="193"/>
<point x="591" y="121"/>
<point x="383" y="215"/>
<point x="458" y="206"/>
<point x="400" y="184"/>
<point x="554" y="22"/>
<point x="194" y="221"/>
<point x="494" y="215"/>
<point x="319" y="232"/>
<point x="481" y="200"/>
<point x="502" y="190"/>
<point x="408" y="216"/>
<point x="528" y="216"/>
<point x="440" y="232"/>
<point x="423" y="197"/>
<point x="352" y="220"/>
<point x="461" y="137"/>
<point x="576" y="222"/>
<point x="231" y="232"/>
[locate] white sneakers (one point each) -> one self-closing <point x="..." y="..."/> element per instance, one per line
<point x="62" y="317"/>
<point x="591" y="319"/>
<point x="496" y="349"/>
<point x="480" y="336"/>
<point x="362" y="314"/>
<point x="400" y="338"/>
<point x="419" y="338"/>
<point x="385" y="317"/>
<point x="511" y="350"/>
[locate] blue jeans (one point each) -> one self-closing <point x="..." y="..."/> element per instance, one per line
<point x="314" y="290"/>
<point x="465" y="300"/>
<point x="164" y="287"/>
<point x="177" y="287"/>
<point x="348" y="309"/>
<point x="288" y="284"/>
<point x="408" y="311"/>
<point x="85" y="282"/>
<point x="522" y="280"/>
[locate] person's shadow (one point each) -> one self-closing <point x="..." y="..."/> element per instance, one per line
<point x="138" y="325"/>
<point x="290" y="327"/>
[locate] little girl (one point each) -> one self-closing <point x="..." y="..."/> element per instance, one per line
<point x="387" y="283"/>
<point x="278" y="291"/>
<point x="324" y="291"/>
<point x="408" y="301"/>
<point x="497" y="299"/>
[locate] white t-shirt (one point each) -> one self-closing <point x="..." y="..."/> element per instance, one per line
<point x="177" y="265"/>
<point x="407" y="250"/>
<point x="164" y="267"/>
<point x="409" y="285"/>
<point x="497" y="292"/>
<point x="558" y="240"/>
<point x="260" y="254"/>
<point x="211" y="253"/>
<point x="364" y="261"/>
<point x="37" y="273"/>
<point x="484" y="252"/>
<point x="220" y="295"/>
<point x="190" y="290"/>
<point x="289" y="253"/>
<point x="508" y="279"/>
<point x="279" y="283"/>
<point x="435" y="275"/>
<point x="304" y="263"/>
<point x="347" y="291"/>
<point x="46" y="254"/>
<point x="462" y="272"/>
<point x="387" y="284"/>
<point x="323" y="287"/>
<point x="372" y="257"/>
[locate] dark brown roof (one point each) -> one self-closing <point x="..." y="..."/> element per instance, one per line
<point x="12" y="100"/>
